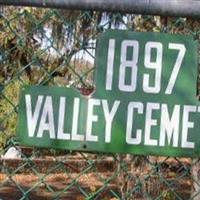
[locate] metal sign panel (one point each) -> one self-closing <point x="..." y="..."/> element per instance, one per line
<point x="145" y="100"/>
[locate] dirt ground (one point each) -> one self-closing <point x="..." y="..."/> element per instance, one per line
<point x="52" y="188"/>
<point x="75" y="179"/>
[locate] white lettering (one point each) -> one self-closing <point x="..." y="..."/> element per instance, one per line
<point x="149" y="123"/>
<point x="47" y="119"/>
<point x="186" y="125"/>
<point x="181" y="48"/>
<point x="109" y="115"/>
<point x="110" y="64"/>
<point x="129" y="126"/>
<point x="61" y="116"/>
<point x="128" y="64"/>
<point x="156" y="65"/>
<point x="90" y="119"/>
<point x="75" y="135"/>
<point x="32" y="116"/>
<point x="169" y="127"/>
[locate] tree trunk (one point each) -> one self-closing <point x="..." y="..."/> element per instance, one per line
<point x="195" y="172"/>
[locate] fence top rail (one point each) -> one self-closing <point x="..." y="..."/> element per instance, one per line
<point x="179" y="8"/>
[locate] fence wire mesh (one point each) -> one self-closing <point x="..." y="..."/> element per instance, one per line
<point x="57" y="47"/>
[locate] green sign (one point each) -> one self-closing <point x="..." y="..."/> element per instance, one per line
<point x="145" y="101"/>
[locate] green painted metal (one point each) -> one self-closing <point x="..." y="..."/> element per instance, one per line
<point x="145" y="100"/>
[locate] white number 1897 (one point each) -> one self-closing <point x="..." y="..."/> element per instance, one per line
<point x="132" y="64"/>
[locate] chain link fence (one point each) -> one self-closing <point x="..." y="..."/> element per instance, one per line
<point x="57" y="48"/>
